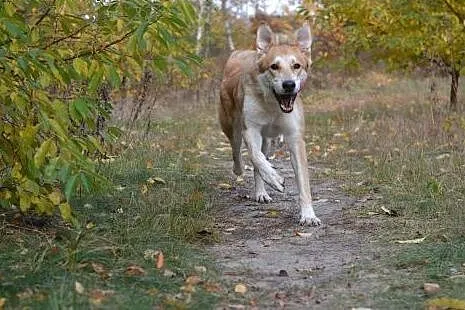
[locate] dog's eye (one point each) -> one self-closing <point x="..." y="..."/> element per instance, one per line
<point x="297" y="66"/>
<point x="274" y="67"/>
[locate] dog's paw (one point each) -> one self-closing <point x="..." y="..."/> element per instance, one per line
<point x="238" y="170"/>
<point x="309" y="220"/>
<point x="262" y="197"/>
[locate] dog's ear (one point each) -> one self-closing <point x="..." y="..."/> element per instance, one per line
<point x="304" y="39"/>
<point x="264" y="38"/>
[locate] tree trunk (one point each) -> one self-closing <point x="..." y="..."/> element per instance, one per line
<point x="199" y="36"/>
<point x="227" y="26"/>
<point x="454" y="86"/>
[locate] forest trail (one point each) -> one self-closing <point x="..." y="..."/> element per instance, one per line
<point x="281" y="263"/>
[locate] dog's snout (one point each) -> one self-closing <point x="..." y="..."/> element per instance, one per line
<point x="289" y="85"/>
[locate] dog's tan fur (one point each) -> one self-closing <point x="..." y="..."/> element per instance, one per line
<point x="260" y="100"/>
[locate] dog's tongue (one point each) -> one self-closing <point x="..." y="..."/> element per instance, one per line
<point x="286" y="103"/>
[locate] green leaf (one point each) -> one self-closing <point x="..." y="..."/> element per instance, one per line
<point x="81" y="67"/>
<point x="85" y="183"/>
<point x="70" y="185"/>
<point x="95" y="80"/>
<point x="82" y="106"/>
<point x="65" y="211"/>
<point x="48" y="148"/>
<point x="24" y="201"/>
<point x="113" y="77"/>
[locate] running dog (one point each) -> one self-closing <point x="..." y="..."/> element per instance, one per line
<point x="259" y="100"/>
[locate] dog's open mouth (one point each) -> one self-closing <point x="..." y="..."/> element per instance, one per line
<point x="286" y="102"/>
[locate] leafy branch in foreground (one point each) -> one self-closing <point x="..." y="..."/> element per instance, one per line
<point x="55" y="57"/>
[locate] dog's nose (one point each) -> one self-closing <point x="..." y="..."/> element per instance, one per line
<point x="288" y="85"/>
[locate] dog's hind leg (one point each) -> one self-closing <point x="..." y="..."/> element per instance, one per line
<point x="260" y="192"/>
<point x="236" y="143"/>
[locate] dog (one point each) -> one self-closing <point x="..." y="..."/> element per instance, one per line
<point x="259" y="100"/>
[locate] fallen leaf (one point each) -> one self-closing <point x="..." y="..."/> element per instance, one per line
<point x="79" y="288"/>
<point x="224" y="186"/>
<point x="193" y="280"/>
<point x="153" y="180"/>
<point x="97" y="296"/>
<point x="2" y="303"/>
<point x="144" y="189"/>
<point x="120" y="188"/>
<point x="149" y="164"/>
<point x="411" y="241"/>
<point x="240" y="288"/>
<point x="389" y="212"/>
<point x="160" y="260"/>
<point x="273" y="213"/>
<point x="302" y="234"/>
<point x="200" y="269"/>
<point x="152" y="291"/>
<point x="26" y="294"/>
<point x="212" y="287"/>
<point x="431" y="288"/>
<point x="168" y="273"/>
<point x="150" y="254"/>
<point x="443" y="156"/>
<point x="445" y="304"/>
<point x="101" y="270"/>
<point x="135" y="270"/>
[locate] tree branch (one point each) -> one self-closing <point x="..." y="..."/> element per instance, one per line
<point x="102" y="48"/>
<point x="56" y="41"/>
<point x="43" y="16"/>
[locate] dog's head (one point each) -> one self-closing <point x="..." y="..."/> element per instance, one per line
<point x="283" y="67"/>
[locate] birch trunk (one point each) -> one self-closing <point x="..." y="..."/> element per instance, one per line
<point x="227" y="26"/>
<point x="199" y="36"/>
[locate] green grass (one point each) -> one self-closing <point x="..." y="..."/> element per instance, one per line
<point x="39" y="266"/>
<point x="391" y="146"/>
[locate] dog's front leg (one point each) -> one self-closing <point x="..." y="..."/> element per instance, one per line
<point x="299" y="163"/>
<point x="253" y="139"/>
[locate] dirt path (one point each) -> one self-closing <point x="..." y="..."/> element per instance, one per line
<point x="261" y="247"/>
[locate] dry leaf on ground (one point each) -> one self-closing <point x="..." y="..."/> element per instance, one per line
<point x="431" y="288"/>
<point x="152" y="291"/>
<point x="200" y="269"/>
<point x="160" y="260"/>
<point x="144" y="189"/>
<point x="135" y="270"/>
<point x="224" y="186"/>
<point x="153" y="180"/>
<point x="193" y="280"/>
<point x="2" y="303"/>
<point x="445" y="304"/>
<point x="101" y="270"/>
<point x="240" y="288"/>
<point x="411" y="241"/>
<point x="389" y="212"/>
<point x="302" y="234"/>
<point x="97" y="296"/>
<point x="168" y="273"/>
<point x="79" y="288"/>
<point x="212" y="287"/>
